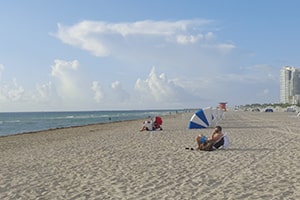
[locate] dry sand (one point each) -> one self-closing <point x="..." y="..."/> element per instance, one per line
<point x="116" y="161"/>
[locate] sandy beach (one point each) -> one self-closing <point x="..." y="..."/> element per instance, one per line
<point x="116" y="161"/>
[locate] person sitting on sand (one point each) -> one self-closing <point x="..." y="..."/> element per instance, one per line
<point x="214" y="142"/>
<point x="147" y="126"/>
<point x="157" y="122"/>
<point x="152" y="125"/>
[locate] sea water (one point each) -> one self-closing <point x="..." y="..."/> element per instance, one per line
<point x="23" y="122"/>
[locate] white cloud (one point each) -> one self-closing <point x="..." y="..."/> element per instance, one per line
<point x="226" y="48"/>
<point x="185" y="47"/>
<point x="160" y="91"/>
<point x="12" y="92"/>
<point x="1" y="70"/>
<point x="83" y="36"/>
<point x="156" y="91"/>
<point x="155" y="88"/>
<point x="186" y="39"/>
<point x="120" y="93"/>
<point x="61" y="68"/>
<point x="209" y="36"/>
<point x="198" y="70"/>
<point x="191" y="39"/>
<point x="98" y="91"/>
<point x="68" y="80"/>
<point x="101" y="38"/>
<point x="46" y="93"/>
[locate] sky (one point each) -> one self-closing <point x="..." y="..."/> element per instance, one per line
<point x="65" y="55"/>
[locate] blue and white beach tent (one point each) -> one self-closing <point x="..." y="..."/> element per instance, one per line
<point x="204" y="118"/>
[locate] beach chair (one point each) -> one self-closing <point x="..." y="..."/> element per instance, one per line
<point x="222" y="143"/>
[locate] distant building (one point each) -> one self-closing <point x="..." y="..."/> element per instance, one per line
<point x="290" y="85"/>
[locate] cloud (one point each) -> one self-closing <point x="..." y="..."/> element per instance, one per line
<point x="98" y="91"/>
<point x="62" y="69"/>
<point x="155" y="91"/>
<point x="46" y="93"/>
<point x="186" y="47"/>
<point x="226" y="48"/>
<point x="12" y="92"/>
<point x="102" y="38"/>
<point x="160" y="91"/>
<point x="119" y="92"/>
<point x="1" y="70"/>
<point x="198" y="69"/>
<point x="155" y="88"/>
<point x="83" y="36"/>
<point x="191" y="39"/>
<point x="69" y="83"/>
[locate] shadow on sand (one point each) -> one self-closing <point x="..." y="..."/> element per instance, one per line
<point x="247" y="149"/>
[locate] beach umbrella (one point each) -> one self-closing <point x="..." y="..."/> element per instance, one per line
<point x="202" y="118"/>
<point x="218" y="115"/>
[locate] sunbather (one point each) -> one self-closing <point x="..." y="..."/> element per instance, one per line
<point x="214" y="142"/>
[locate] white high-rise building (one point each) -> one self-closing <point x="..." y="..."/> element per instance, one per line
<point x="290" y="85"/>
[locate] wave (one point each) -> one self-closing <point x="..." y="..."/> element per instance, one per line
<point x="11" y="121"/>
<point x="15" y="123"/>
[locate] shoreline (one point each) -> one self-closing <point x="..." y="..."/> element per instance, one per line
<point x="69" y="127"/>
<point x="117" y="161"/>
<point x="92" y="122"/>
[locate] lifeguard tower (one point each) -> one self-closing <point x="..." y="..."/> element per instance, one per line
<point x="222" y="105"/>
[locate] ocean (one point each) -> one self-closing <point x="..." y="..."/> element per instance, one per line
<point x="23" y="122"/>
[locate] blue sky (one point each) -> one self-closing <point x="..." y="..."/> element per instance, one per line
<point x="137" y="54"/>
